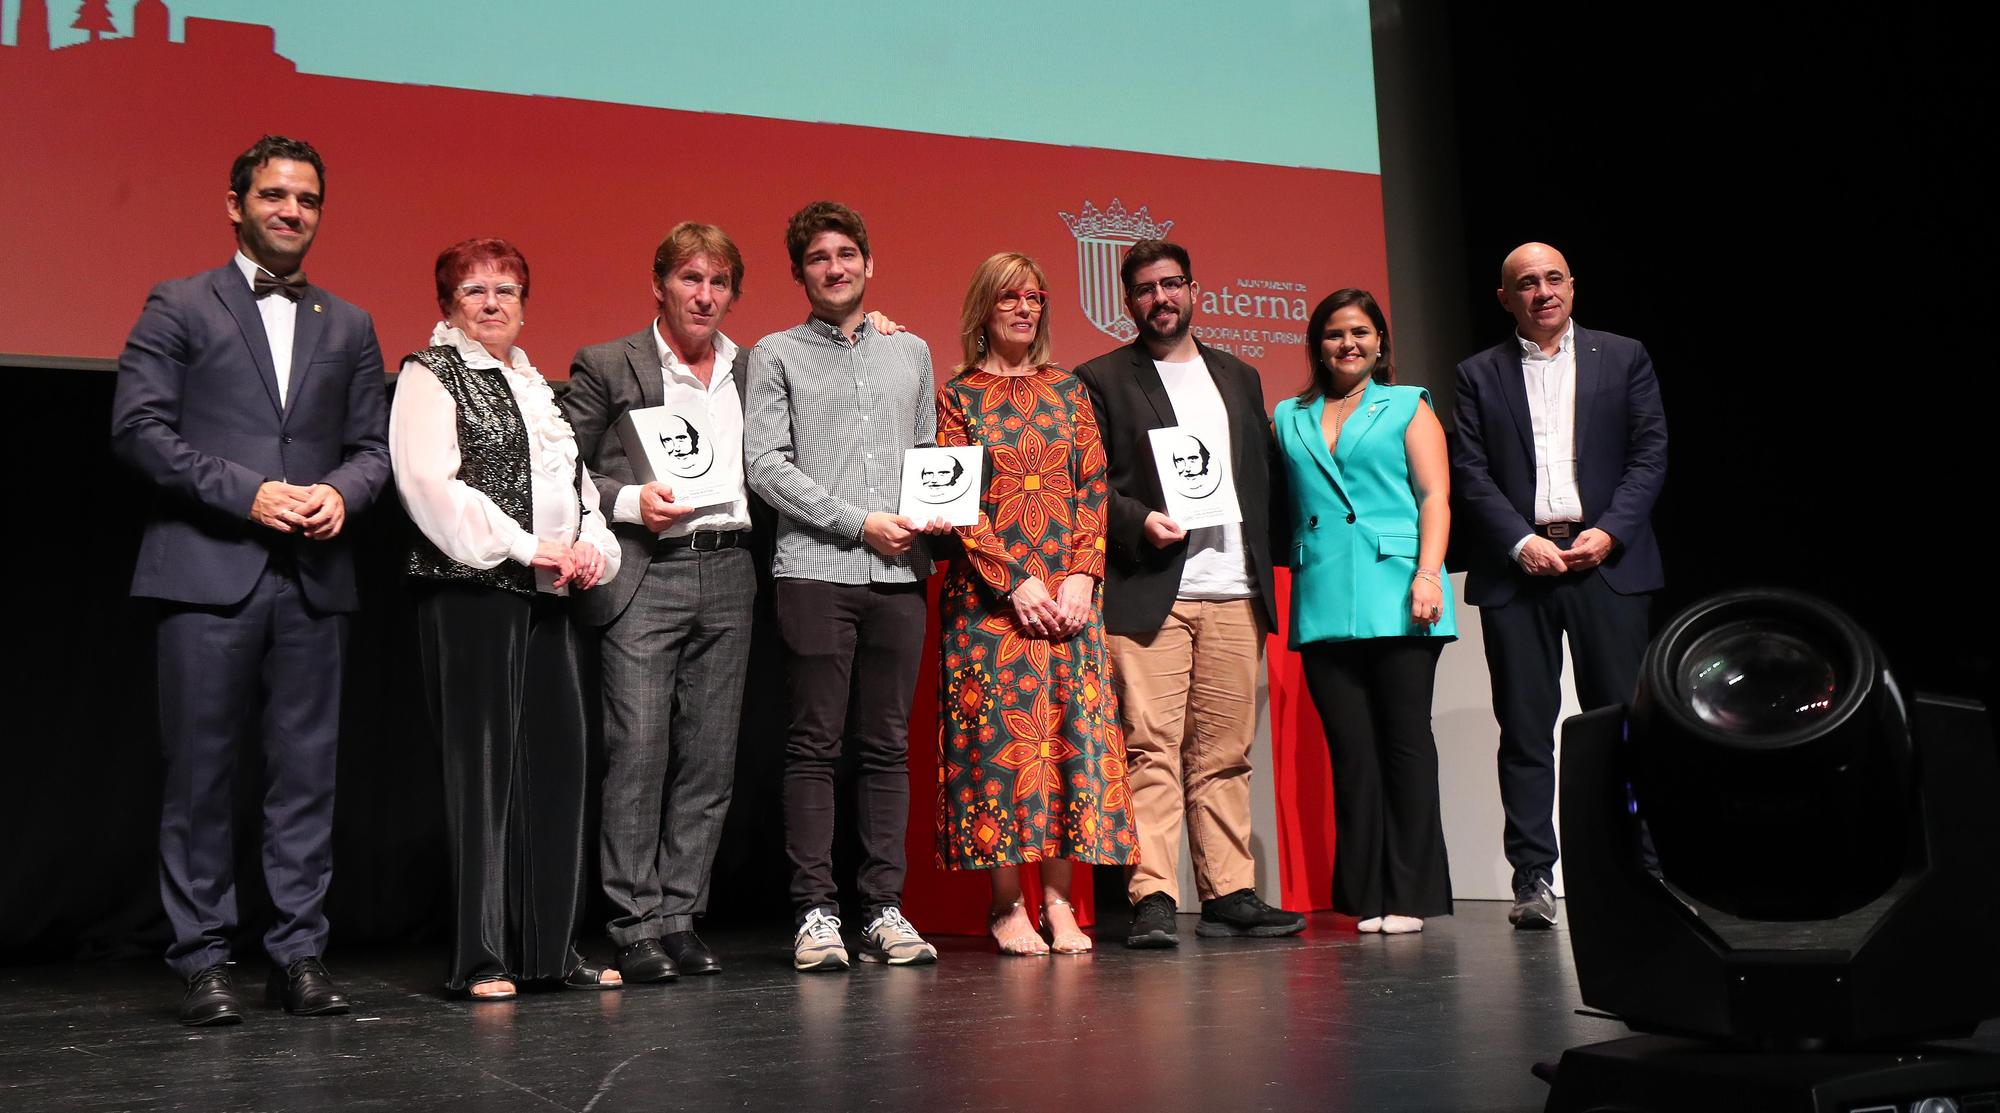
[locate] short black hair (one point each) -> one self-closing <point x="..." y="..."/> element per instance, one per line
<point x="266" y="149"/>
<point x="1147" y="252"/>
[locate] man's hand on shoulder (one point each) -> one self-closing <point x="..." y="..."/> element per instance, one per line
<point x="278" y="506"/>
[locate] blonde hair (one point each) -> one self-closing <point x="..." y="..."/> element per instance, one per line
<point x="1003" y="271"/>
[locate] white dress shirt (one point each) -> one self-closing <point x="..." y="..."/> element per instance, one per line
<point x="1551" y="385"/>
<point x="463" y="522"/>
<point x="281" y="318"/>
<point x="682" y="389"/>
<point x="1217" y="563"/>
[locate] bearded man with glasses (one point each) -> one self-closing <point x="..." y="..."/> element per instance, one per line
<point x="1186" y="610"/>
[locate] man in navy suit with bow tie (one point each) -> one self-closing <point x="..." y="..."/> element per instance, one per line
<point x="253" y="404"/>
<point x="1561" y="453"/>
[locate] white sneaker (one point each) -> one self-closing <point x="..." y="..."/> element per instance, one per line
<point x="817" y="946"/>
<point x="891" y="939"/>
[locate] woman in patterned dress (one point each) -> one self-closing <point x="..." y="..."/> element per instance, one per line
<point x="1031" y="764"/>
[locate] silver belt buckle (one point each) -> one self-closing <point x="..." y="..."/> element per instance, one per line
<point x="1557" y="529"/>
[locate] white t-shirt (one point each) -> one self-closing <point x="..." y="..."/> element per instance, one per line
<point x="1218" y="566"/>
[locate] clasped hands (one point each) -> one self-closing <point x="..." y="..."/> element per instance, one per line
<point x="317" y="511"/>
<point x="1057" y="617"/>
<point x="579" y="564"/>
<point x="1543" y="557"/>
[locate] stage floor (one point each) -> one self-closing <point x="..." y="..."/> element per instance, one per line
<point x="1447" y="1020"/>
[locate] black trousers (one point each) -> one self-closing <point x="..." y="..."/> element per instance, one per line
<point x="1524" y="652"/>
<point x="501" y="681"/>
<point x="1374" y="700"/>
<point x="851" y="655"/>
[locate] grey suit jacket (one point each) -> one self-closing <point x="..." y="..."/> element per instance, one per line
<point x="197" y="413"/>
<point x="605" y="380"/>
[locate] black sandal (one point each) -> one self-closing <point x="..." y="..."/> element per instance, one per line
<point x="585" y="976"/>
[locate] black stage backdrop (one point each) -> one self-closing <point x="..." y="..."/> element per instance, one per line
<point x="1782" y="210"/>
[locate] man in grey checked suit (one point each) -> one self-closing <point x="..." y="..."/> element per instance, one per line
<point x="676" y="620"/>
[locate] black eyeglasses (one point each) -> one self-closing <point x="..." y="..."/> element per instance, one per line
<point x="1168" y="286"/>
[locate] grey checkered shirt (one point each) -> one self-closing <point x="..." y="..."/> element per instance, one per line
<point x="824" y="431"/>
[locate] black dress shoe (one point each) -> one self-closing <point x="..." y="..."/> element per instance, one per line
<point x="1534" y="907"/>
<point x="304" y="988"/>
<point x="1153" y="923"/>
<point x="690" y="954"/>
<point x="644" y="961"/>
<point x="1243" y="912"/>
<point x="211" y="1000"/>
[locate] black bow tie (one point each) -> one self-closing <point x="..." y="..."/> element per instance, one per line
<point x="292" y="286"/>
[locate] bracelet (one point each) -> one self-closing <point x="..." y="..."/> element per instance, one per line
<point x="1430" y="574"/>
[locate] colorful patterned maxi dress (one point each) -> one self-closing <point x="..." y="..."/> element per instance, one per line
<point x="1031" y="764"/>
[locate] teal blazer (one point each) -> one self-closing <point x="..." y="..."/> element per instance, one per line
<point x="1354" y="520"/>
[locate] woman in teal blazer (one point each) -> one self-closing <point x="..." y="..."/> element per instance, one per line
<point x="1371" y="606"/>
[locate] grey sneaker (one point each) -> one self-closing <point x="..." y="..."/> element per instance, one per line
<point x="817" y="945"/>
<point x="1534" y="907"/>
<point x="891" y="939"/>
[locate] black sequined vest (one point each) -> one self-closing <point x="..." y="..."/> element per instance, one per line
<point x="493" y="460"/>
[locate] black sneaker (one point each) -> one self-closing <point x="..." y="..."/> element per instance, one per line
<point x="1534" y="907"/>
<point x="1153" y="922"/>
<point x="1243" y="913"/>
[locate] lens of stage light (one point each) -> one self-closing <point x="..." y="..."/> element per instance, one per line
<point x="1757" y="678"/>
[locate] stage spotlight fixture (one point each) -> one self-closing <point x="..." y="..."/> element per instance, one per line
<point x="1783" y="872"/>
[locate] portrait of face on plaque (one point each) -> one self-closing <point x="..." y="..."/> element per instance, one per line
<point x="688" y="446"/>
<point x="941" y="479"/>
<point x="1196" y="471"/>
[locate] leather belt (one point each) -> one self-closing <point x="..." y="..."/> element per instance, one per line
<point x="701" y="541"/>
<point x="1560" y="531"/>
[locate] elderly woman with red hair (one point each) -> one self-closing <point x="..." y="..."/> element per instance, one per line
<point x="507" y="525"/>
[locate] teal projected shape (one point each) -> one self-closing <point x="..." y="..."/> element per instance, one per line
<point x="1285" y="83"/>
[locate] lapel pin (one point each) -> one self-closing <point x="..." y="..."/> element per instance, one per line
<point x="315" y="307"/>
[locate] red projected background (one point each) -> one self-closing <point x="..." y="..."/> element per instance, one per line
<point x="119" y="152"/>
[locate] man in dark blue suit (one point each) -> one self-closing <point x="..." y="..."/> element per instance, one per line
<point x="253" y="403"/>
<point x="1561" y="453"/>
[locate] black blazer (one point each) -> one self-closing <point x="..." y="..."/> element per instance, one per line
<point x="605" y="380"/>
<point x="197" y="414"/>
<point x="1621" y="462"/>
<point x="1142" y="582"/>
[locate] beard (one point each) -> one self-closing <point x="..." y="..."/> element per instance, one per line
<point x="1183" y="320"/>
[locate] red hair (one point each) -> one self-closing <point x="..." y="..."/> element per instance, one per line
<point x="461" y="259"/>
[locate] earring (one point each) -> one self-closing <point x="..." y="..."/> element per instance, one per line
<point x="982" y="342"/>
